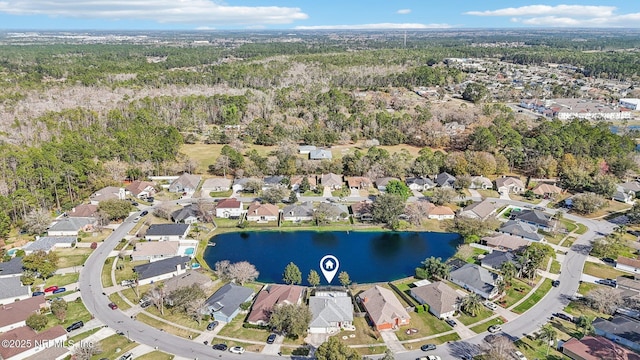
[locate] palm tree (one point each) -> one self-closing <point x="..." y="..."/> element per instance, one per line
<point x="509" y="271"/>
<point x="471" y="304"/>
<point x="586" y="324"/>
<point x="436" y="268"/>
<point x="547" y="334"/>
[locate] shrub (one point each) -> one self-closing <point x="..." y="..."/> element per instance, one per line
<point x="421" y="273"/>
<point x="94" y="245"/>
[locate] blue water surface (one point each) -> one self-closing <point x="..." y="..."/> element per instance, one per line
<point x="367" y="256"/>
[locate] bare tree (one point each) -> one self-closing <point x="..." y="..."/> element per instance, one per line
<point x="197" y="309"/>
<point x="417" y="212"/>
<point x="222" y="164"/>
<point x="498" y="347"/>
<point x="242" y="272"/>
<point x="37" y="221"/>
<point x="221" y="269"/>
<point x="163" y="211"/>
<point x="604" y="300"/>
<point x="115" y="168"/>
<point x="464" y="251"/>
<point x="157" y="296"/>
<point x="85" y="350"/>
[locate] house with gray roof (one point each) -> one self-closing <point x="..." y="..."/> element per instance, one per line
<point x="442" y="299"/>
<point x="330" y="311"/>
<point x="626" y="192"/>
<point x="381" y="183"/>
<point x="71" y="226"/>
<point x="216" y="184"/>
<point x="332" y="181"/>
<point x="273" y="181"/>
<point x="185" y="183"/>
<point x="480" y="210"/>
<point x="11" y="289"/>
<point x="162" y="269"/>
<point x="298" y="212"/>
<point x="420" y="183"/>
<point x="11" y="268"/>
<point x="445" y="180"/>
<point x="537" y="218"/>
<point x="320" y="154"/>
<point x="108" y="193"/>
<point x="333" y="212"/>
<point x="189" y="278"/>
<point x="186" y="215"/>
<point x="48" y="243"/>
<point x="521" y="229"/>
<point x="225" y="303"/>
<point x="495" y="259"/>
<point x="167" y="232"/>
<point x="306" y="149"/>
<point x="480" y="182"/>
<point x="620" y="329"/>
<point x="476" y="279"/>
<point x="239" y="184"/>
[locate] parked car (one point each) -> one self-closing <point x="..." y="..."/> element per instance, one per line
<point x="150" y="199"/>
<point x="144" y="213"/>
<point x="221" y="347"/>
<point x="59" y="290"/>
<point x="563" y="316"/>
<point x="428" y="347"/>
<point x="609" y="261"/>
<point x="555" y="283"/>
<point x="271" y="339"/>
<point x="495" y="328"/>
<point x="37" y="293"/>
<point x="76" y="325"/>
<point x="113" y="306"/>
<point x="145" y="304"/>
<point x="539" y="208"/>
<point x="451" y="322"/>
<point x="136" y="219"/>
<point x="237" y="350"/>
<point x="607" y="282"/>
<point x="51" y="288"/>
<point x="127" y="356"/>
<point x="518" y="355"/>
<point x="491" y="305"/>
<point x="212" y="325"/>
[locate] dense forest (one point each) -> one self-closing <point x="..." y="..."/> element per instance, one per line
<point x="77" y="117"/>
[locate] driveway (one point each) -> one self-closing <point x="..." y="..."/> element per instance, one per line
<point x="392" y="342"/>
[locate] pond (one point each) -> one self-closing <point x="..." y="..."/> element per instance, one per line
<point x="366" y="256"/>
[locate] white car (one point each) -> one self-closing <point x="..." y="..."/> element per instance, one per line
<point x="430" y="357"/>
<point x="519" y="355"/>
<point x="491" y="305"/>
<point x="236" y="350"/>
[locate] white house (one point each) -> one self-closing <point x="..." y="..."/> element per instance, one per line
<point x="331" y="311"/>
<point x="506" y="185"/>
<point x="628" y="264"/>
<point x="108" y="193"/>
<point x="162" y="269"/>
<point x="70" y="226"/>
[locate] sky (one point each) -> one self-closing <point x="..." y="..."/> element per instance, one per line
<point x="313" y="14"/>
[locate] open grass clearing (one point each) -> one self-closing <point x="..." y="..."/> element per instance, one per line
<point x="427" y="325"/>
<point x="126" y="269"/>
<point x="581" y="229"/>
<point x="577" y="308"/>
<point x="555" y="267"/>
<point x="611" y="208"/>
<point x="221" y="194"/>
<point x="117" y="299"/>
<point x="364" y="333"/>
<point x="601" y="270"/>
<point x="69" y="257"/>
<point x="155" y="355"/>
<point x="481" y="315"/>
<point x="485" y="326"/>
<point x="109" y="347"/>
<point x="75" y="312"/>
<point x="584" y="288"/>
<point x="234" y="329"/>
<point x="515" y="292"/>
<point x="62" y="279"/>
<point x="536" y="349"/>
<point x="85" y="334"/>
<point x="105" y="275"/>
<point x="489" y="193"/>
<point x="177" y="317"/>
<point x="371" y="350"/>
<point x="165" y="326"/>
<point x="438" y="341"/>
<point x="533" y="299"/>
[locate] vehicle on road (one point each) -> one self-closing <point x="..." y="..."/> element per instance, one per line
<point x="212" y="325"/>
<point x="76" y="325"/>
<point x="494" y="328"/>
<point x="136" y="219"/>
<point x="113" y="306"/>
<point x="428" y="347"/>
<point x="59" y="290"/>
<point x="555" y="283"/>
<point x="491" y="305"/>
<point x="236" y="350"/>
<point x="519" y="355"/>
<point x="539" y="208"/>
<point x="563" y="316"/>
<point x="221" y="347"/>
<point x="451" y="322"/>
<point x="144" y="213"/>
<point x="37" y="293"/>
<point x="51" y="288"/>
<point x="271" y="339"/>
<point x="429" y="357"/>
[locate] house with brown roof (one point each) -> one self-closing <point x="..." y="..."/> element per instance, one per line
<point x="383" y="308"/>
<point x="359" y="182"/>
<point x="505" y="242"/>
<point x="332" y="181"/>
<point x="108" y="193"/>
<point x="83" y="210"/>
<point x="442" y="299"/>
<point x="362" y="210"/>
<point x="506" y="185"/>
<point x="216" y="184"/>
<point x="270" y="297"/>
<point x="154" y="250"/>
<point x="546" y="190"/>
<point x="296" y="181"/>
<point x="229" y="209"/>
<point x="596" y="348"/>
<point x="480" y="210"/>
<point x="262" y="212"/>
<point x="33" y="342"/>
<point x="14" y="314"/>
<point x="436" y="212"/>
<point x="628" y="264"/>
<point x="141" y="189"/>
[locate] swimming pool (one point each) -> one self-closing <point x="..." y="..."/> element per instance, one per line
<point x="195" y="266"/>
<point x="189" y="251"/>
<point x="12" y="252"/>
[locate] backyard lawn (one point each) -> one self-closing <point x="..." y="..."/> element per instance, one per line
<point x="72" y="257"/>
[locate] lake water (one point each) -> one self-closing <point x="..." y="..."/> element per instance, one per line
<point x="367" y="256"/>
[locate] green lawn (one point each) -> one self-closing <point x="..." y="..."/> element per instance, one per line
<point x="165" y="326"/>
<point x="126" y="273"/>
<point x="515" y="292"/>
<point x="489" y="193"/>
<point x="72" y="257"/>
<point x="234" y="329"/>
<point x="230" y="343"/>
<point x="535" y="349"/>
<point x="576" y="308"/>
<point x="105" y="276"/>
<point x="581" y="229"/>
<point x="178" y="318"/>
<point x="364" y="333"/>
<point x="468" y="320"/>
<point x="221" y="194"/>
<point x="85" y="334"/>
<point x="426" y="324"/>
<point x="155" y="355"/>
<point x="484" y="326"/>
<point x="555" y="267"/>
<point x="584" y="288"/>
<point x="117" y="299"/>
<point x="569" y="225"/>
<point x="371" y="350"/>
<point x="112" y="344"/>
<point x="601" y="270"/>
<point x="75" y="312"/>
<point x="62" y="280"/>
<point x="534" y="298"/>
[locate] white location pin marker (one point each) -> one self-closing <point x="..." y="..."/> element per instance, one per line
<point x="329" y="265"/>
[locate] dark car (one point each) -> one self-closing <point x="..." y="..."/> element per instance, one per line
<point x="145" y="304"/>
<point x="113" y="306"/>
<point x="59" y="290"/>
<point x="607" y="282"/>
<point x="221" y="347"/>
<point x="150" y="199"/>
<point x="450" y="322"/>
<point x="76" y="325"/>
<point x="555" y="283"/>
<point x="37" y="293"/>
<point x="144" y="213"/>
<point x="212" y="325"/>
<point x="271" y="339"/>
<point x="608" y="260"/>
<point x="428" y="347"/>
<point x="563" y="316"/>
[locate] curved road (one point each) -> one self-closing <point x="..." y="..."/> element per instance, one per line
<point x="90" y="285"/>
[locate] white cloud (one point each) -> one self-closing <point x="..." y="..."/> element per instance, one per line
<point x="375" y="26"/>
<point x="541" y="10"/>
<point x="404" y="11"/>
<point x="565" y="16"/>
<point x="198" y="12"/>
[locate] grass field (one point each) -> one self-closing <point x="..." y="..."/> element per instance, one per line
<point x="555" y="267"/>
<point x="581" y="229"/>
<point x="484" y="326"/>
<point x="534" y="298"/>
<point x="426" y="324"/>
<point x="164" y="326"/>
<point x="155" y="355"/>
<point x="364" y="334"/>
<point x="105" y="276"/>
<point x="515" y="292"/>
<point x="72" y="257"/>
<point x="62" y="279"/>
<point x="468" y="319"/>
<point x="114" y="346"/>
<point x="248" y="347"/>
<point x="601" y="271"/>
<point x="75" y="312"/>
<point x="234" y="329"/>
<point x="611" y="208"/>
<point x="117" y="299"/>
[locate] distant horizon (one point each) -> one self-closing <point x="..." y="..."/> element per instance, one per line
<point x="80" y="15"/>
